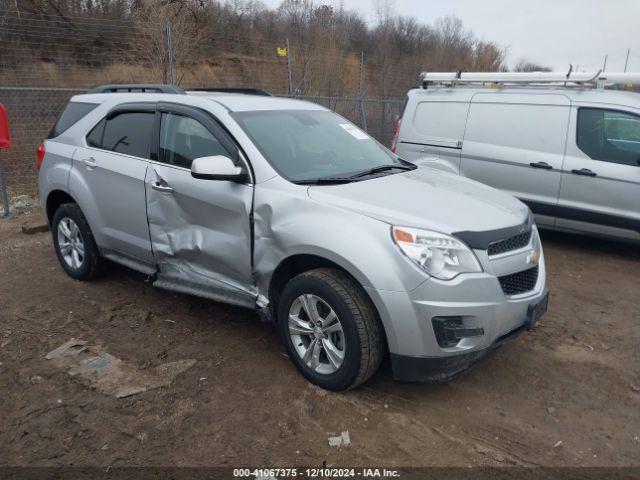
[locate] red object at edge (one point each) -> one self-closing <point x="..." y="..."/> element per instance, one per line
<point x="5" y="136"/>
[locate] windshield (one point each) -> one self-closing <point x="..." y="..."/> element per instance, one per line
<point x="307" y="145"/>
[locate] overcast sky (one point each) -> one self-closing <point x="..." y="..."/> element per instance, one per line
<point x="549" y="32"/>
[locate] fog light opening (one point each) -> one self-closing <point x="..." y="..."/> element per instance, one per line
<point x="450" y="330"/>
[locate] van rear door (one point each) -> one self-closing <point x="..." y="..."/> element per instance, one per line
<point x="432" y="128"/>
<point x="516" y="142"/>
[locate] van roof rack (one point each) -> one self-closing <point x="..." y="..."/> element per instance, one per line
<point x="599" y="78"/>
<point x="137" y="87"/>
<point x="246" y="91"/>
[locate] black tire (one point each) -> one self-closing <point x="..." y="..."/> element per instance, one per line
<point x="92" y="264"/>
<point x="362" y="329"/>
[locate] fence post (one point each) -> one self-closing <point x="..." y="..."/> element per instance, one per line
<point x="289" y="76"/>
<point x="170" y="51"/>
<point x="3" y="190"/>
<point x="363" y="118"/>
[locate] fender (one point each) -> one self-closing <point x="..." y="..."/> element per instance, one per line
<point x="437" y="163"/>
<point x="359" y="244"/>
<point x="78" y="189"/>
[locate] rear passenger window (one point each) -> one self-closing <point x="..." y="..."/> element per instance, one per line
<point x="72" y="113"/>
<point x="128" y="133"/>
<point x="183" y="139"/>
<point x="609" y="135"/>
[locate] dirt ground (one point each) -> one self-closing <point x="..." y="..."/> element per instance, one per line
<point x="566" y="394"/>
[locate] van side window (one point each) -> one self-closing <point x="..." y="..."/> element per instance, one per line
<point x="441" y="122"/>
<point x="609" y="135"/>
<point x="183" y="139"/>
<point x="127" y="132"/>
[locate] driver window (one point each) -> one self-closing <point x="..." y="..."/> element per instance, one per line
<point x="609" y="135"/>
<point x="183" y="139"/>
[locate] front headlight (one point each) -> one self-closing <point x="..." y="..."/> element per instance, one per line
<point x="440" y="255"/>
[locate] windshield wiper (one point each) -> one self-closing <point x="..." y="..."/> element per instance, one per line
<point x="354" y="177"/>
<point x="324" y="181"/>
<point x="381" y="168"/>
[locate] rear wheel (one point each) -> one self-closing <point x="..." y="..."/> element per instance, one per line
<point x="330" y="328"/>
<point x="74" y="243"/>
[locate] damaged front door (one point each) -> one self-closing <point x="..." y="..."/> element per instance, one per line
<point x="200" y="229"/>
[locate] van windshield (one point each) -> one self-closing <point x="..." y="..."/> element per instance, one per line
<point x="306" y="146"/>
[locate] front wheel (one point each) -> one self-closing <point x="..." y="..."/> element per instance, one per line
<point x="330" y="328"/>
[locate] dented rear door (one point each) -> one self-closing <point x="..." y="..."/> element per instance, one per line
<point x="200" y="229"/>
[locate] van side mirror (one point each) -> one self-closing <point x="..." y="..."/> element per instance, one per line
<point x="217" y="167"/>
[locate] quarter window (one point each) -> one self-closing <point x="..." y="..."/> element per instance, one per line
<point x="128" y="133"/>
<point x="94" y="139"/>
<point x="183" y="139"/>
<point x="609" y="135"/>
<point x="73" y="112"/>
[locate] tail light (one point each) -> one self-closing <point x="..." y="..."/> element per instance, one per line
<point x="40" y="152"/>
<point x="396" y="132"/>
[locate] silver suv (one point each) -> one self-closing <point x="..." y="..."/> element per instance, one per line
<point x="284" y="207"/>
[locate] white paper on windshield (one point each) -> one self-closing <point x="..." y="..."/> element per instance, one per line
<point x="354" y="131"/>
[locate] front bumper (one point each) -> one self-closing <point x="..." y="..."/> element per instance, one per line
<point x="477" y="299"/>
<point x="443" y="369"/>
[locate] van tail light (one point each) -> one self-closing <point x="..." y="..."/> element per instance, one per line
<point x="396" y="132"/>
<point x="40" y="152"/>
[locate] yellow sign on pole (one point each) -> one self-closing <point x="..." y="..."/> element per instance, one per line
<point x="282" y="51"/>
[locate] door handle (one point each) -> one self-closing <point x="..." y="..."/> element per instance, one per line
<point x="585" y="172"/>
<point x="90" y="163"/>
<point x="543" y="165"/>
<point x="159" y="187"/>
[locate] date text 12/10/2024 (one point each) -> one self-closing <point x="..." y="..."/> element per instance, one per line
<point x="273" y="473"/>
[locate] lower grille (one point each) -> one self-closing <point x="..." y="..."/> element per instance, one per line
<point x="520" y="282"/>
<point x="511" y="243"/>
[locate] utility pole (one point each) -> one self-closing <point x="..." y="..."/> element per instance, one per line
<point x="289" y="76"/>
<point x="3" y="191"/>
<point x="626" y="62"/>
<point x="363" y="118"/>
<point x="170" y="51"/>
<point x="604" y="67"/>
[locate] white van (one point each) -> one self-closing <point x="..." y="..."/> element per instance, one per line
<point x="572" y="154"/>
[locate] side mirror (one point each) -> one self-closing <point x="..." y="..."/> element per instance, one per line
<point x="217" y="167"/>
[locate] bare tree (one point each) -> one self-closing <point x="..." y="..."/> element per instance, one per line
<point x="525" y="65"/>
<point x="233" y="43"/>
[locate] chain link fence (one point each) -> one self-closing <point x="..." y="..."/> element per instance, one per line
<point x="43" y="62"/>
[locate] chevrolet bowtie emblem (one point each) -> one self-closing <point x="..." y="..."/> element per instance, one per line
<point x="533" y="257"/>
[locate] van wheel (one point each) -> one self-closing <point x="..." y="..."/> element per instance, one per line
<point x="74" y="243"/>
<point x="330" y="329"/>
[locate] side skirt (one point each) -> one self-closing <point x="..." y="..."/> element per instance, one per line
<point x="240" y="299"/>
<point x="132" y="263"/>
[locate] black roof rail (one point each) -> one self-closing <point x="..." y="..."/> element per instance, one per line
<point x="247" y="91"/>
<point x="137" y="87"/>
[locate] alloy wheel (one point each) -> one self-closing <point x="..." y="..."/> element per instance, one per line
<point x="70" y="243"/>
<point x="316" y="334"/>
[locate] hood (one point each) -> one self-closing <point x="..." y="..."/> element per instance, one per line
<point x="427" y="198"/>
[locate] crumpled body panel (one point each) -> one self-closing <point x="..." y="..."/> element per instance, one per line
<point x="201" y="235"/>
<point x="287" y="222"/>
